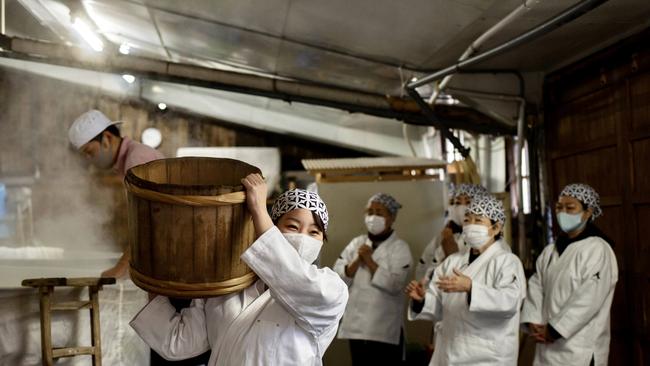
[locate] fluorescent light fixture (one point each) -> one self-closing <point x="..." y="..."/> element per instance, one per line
<point x="88" y="35"/>
<point x="125" y="49"/>
<point x="162" y="106"/>
<point x="128" y="78"/>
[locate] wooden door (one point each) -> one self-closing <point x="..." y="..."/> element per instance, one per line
<point x="597" y="121"/>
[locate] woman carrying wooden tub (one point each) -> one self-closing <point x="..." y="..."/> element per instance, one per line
<point x="288" y="317"/>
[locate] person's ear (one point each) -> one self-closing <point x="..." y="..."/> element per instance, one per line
<point x="586" y="215"/>
<point x="107" y="139"/>
<point x="496" y="229"/>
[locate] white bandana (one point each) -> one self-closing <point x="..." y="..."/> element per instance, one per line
<point x="387" y="201"/>
<point x="488" y="206"/>
<point x="586" y="195"/>
<point x="300" y="198"/>
<point x="470" y="190"/>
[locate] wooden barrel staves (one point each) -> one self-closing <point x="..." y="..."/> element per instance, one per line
<point x="188" y="226"/>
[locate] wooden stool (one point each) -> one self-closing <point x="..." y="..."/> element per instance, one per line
<point x="46" y="288"/>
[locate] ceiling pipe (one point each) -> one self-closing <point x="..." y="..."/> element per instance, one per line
<point x="476" y="45"/>
<point x="289" y="90"/>
<point x="555" y="22"/>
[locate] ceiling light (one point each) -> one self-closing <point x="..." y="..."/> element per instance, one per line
<point x="151" y="137"/>
<point x="125" y="49"/>
<point x="162" y="106"/>
<point x="128" y="78"/>
<point x="88" y="35"/>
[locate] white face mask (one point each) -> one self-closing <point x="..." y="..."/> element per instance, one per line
<point x="307" y="247"/>
<point x="375" y="224"/>
<point x="457" y="214"/>
<point x="476" y="236"/>
<point x="570" y="222"/>
<point x="103" y="159"/>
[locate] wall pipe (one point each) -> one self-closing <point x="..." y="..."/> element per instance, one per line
<point x="521" y="220"/>
<point x="3" y="9"/>
<point x="519" y="148"/>
<point x="555" y="22"/>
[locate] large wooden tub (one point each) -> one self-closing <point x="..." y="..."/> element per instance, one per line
<point x="188" y="226"/>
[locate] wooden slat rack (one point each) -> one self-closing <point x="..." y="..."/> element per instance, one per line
<point x="373" y="169"/>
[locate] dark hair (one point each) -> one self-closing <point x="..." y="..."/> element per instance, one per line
<point x="320" y="224"/>
<point x="500" y="234"/>
<point x="112" y="129"/>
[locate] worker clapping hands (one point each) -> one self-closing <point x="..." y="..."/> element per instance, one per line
<point x="455" y="283"/>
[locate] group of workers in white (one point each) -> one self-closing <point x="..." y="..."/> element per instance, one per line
<point x="467" y="282"/>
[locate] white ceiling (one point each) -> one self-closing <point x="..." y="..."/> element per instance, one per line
<point x="370" y="45"/>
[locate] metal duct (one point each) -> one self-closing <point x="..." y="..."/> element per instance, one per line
<point x="288" y="90"/>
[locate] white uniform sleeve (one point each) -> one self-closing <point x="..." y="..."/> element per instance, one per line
<point x="426" y="260"/>
<point x="392" y="273"/>
<point x="532" y="310"/>
<point x="347" y="256"/>
<point x="174" y="336"/>
<point x="315" y="297"/>
<point x="598" y="276"/>
<point x="504" y="297"/>
<point x="432" y="309"/>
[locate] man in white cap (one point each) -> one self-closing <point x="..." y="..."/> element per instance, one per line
<point x="98" y="139"/>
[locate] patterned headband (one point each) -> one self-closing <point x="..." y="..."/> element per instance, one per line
<point x="387" y="201"/>
<point x="300" y="198"/>
<point x="488" y="206"/>
<point x="470" y="190"/>
<point x="585" y="194"/>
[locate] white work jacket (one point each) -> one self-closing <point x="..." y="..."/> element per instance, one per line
<point x="376" y="308"/>
<point x="484" y="328"/>
<point x="290" y="323"/>
<point x="573" y="293"/>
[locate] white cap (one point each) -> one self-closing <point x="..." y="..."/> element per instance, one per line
<point x="87" y="126"/>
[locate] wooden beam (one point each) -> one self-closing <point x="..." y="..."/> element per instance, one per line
<point x="72" y="351"/>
